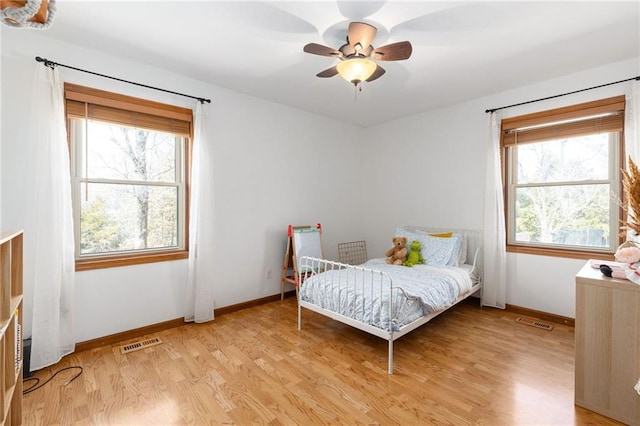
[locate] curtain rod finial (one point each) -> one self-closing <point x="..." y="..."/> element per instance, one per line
<point x="47" y="63"/>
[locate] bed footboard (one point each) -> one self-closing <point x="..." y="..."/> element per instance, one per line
<point x="342" y="299"/>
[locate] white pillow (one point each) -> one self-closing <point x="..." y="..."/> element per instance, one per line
<point x="463" y="250"/>
<point x="436" y="251"/>
<point x="442" y="251"/>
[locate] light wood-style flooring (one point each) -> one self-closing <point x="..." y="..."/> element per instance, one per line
<point x="469" y="366"/>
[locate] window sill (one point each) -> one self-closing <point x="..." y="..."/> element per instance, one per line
<point x="571" y="254"/>
<point x="115" y="261"/>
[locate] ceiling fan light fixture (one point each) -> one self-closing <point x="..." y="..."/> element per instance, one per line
<point x="356" y="70"/>
<point x="358" y="56"/>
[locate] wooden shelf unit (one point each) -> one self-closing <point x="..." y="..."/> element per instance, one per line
<point x="607" y="364"/>
<point x="11" y="264"/>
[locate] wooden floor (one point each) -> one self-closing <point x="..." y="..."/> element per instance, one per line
<point x="470" y="365"/>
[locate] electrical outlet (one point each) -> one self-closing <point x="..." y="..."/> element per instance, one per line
<point x="268" y="273"/>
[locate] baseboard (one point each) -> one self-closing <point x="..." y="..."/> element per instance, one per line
<point x="558" y="319"/>
<point x="154" y="328"/>
<point x="251" y="303"/>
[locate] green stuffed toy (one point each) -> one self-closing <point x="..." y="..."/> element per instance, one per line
<point x="415" y="254"/>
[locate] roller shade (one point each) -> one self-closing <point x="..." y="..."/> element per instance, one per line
<point x="602" y="116"/>
<point x="94" y="104"/>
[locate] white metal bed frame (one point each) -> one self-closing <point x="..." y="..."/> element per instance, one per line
<point x="314" y="266"/>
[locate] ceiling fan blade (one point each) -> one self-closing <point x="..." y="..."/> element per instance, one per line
<point x="376" y="74"/>
<point x="393" y="52"/>
<point x="361" y="33"/>
<point x="329" y="72"/>
<point x="318" y="49"/>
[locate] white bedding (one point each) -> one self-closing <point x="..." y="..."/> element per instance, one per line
<point x="417" y="291"/>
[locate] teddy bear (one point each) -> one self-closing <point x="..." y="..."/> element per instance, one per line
<point x="415" y="254"/>
<point x="397" y="254"/>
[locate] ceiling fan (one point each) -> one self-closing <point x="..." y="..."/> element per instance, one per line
<point x="357" y="55"/>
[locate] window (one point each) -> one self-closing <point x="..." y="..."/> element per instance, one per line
<point x="129" y="168"/>
<point x="562" y="177"/>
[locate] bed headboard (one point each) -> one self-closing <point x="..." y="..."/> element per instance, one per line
<point x="473" y="238"/>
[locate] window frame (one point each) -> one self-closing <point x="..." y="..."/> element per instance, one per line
<point x="84" y="102"/>
<point x="570" y="122"/>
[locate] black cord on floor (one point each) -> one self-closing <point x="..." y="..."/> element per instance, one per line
<point x="37" y="385"/>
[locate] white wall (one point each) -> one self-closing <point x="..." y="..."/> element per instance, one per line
<point x="273" y="166"/>
<point x="429" y="170"/>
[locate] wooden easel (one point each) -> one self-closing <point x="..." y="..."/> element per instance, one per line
<point x="302" y="240"/>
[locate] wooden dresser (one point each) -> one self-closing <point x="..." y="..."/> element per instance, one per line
<point x="607" y="365"/>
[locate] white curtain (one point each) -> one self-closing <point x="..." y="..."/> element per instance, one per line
<point x="199" y="301"/>
<point x="495" y="253"/>
<point x="632" y="122"/>
<point x="49" y="228"/>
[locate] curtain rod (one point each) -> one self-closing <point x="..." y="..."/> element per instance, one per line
<point x="562" y="94"/>
<point x="51" y="64"/>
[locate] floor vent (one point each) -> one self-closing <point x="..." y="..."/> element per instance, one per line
<point x="141" y="344"/>
<point x="534" y="323"/>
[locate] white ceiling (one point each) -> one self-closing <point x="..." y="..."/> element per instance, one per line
<point x="461" y="50"/>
